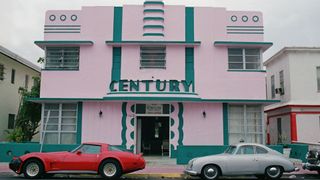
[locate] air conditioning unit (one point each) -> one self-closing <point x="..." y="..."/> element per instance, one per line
<point x="279" y="91"/>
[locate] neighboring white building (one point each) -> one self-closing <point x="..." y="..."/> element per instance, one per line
<point x="15" y="72"/>
<point x="293" y="76"/>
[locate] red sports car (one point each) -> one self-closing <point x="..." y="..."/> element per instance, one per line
<point x="89" y="158"/>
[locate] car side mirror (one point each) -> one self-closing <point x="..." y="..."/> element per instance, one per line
<point x="78" y="152"/>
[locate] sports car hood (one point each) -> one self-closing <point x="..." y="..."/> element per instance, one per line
<point x="44" y="154"/>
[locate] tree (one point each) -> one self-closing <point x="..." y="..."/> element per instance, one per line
<point x="29" y="115"/>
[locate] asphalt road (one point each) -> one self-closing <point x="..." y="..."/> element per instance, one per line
<point x="11" y="176"/>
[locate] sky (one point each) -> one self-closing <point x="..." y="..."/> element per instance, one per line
<point x="286" y="22"/>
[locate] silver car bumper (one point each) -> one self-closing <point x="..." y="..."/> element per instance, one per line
<point x="190" y="172"/>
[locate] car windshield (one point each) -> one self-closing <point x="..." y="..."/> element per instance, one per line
<point x="117" y="148"/>
<point x="230" y="150"/>
<point x="76" y="149"/>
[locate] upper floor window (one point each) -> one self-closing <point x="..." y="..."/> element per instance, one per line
<point x="1" y="72"/>
<point x="153" y="57"/>
<point x="273" y="89"/>
<point x="244" y="59"/>
<point x="26" y="82"/>
<point x="11" y="121"/>
<point x="13" y="75"/>
<point x="281" y="80"/>
<point x="62" y="58"/>
<point x="318" y="78"/>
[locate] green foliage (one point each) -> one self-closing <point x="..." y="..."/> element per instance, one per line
<point x="29" y="115"/>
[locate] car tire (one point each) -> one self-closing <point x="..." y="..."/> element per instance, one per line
<point x="110" y="169"/>
<point x="210" y="172"/>
<point x="33" y="169"/>
<point x="273" y="172"/>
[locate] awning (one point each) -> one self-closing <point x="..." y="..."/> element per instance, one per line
<point x="43" y="44"/>
<point x="244" y="44"/>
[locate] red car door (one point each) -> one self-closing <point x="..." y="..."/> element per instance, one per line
<point x="86" y="158"/>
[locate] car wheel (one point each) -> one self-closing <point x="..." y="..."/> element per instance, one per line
<point x="210" y="172"/>
<point x="110" y="169"/>
<point x="274" y="172"/>
<point x="33" y="169"/>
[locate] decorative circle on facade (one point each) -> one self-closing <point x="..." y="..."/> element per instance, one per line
<point x="52" y="17"/>
<point x="132" y="122"/>
<point x="255" y="18"/>
<point x="63" y="17"/>
<point x="245" y="18"/>
<point x="74" y="17"/>
<point x="132" y="135"/>
<point x="171" y="122"/>
<point x="132" y="108"/>
<point x="234" y="18"/>
<point x="171" y="135"/>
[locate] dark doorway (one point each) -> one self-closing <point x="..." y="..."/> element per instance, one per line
<point x="155" y="135"/>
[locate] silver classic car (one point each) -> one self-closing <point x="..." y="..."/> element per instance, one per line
<point x="242" y="159"/>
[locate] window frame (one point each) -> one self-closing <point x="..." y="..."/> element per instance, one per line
<point x="62" y="65"/>
<point x="13" y="76"/>
<point x="281" y="82"/>
<point x="245" y="125"/>
<point x="11" y="122"/>
<point x="59" y="125"/>
<point x="244" y="59"/>
<point x="146" y="50"/>
<point x="26" y="82"/>
<point x="273" y="87"/>
<point x="2" y="72"/>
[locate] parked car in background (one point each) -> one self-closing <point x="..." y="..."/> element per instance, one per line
<point x="241" y="159"/>
<point x="89" y="158"/>
<point x="313" y="161"/>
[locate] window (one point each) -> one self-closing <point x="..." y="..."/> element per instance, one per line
<point x="244" y="59"/>
<point x="59" y="123"/>
<point x="13" y="75"/>
<point x="246" y="150"/>
<point x="245" y="123"/>
<point x="260" y="150"/>
<point x="153" y="57"/>
<point x="318" y="78"/>
<point x="11" y="121"/>
<point x="26" y="82"/>
<point x="1" y="72"/>
<point x="62" y="58"/>
<point x="89" y="149"/>
<point x="281" y="79"/>
<point x="273" y="89"/>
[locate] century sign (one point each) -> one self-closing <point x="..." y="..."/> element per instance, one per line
<point x="125" y="85"/>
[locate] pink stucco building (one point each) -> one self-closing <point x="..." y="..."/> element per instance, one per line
<point x="153" y="76"/>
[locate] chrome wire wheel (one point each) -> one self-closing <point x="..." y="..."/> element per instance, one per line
<point x="210" y="172"/>
<point x="274" y="172"/>
<point x="109" y="169"/>
<point x="33" y="169"/>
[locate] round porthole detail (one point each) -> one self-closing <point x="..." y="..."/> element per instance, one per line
<point x="245" y="18"/>
<point x="234" y="18"/>
<point x="52" y="17"/>
<point x="74" y="17"/>
<point x="63" y="17"/>
<point x="255" y="18"/>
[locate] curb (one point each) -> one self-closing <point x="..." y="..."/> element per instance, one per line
<point x="155" y="175"/>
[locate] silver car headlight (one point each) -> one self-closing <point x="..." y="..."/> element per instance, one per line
<point x="190" y="164"/>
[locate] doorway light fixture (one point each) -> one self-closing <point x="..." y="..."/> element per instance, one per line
<point x="204" y="114"/>
<point x="100" y="114"/>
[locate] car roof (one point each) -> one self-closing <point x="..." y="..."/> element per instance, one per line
<point x="96" y="143"/>
<point x="249" y="144"/>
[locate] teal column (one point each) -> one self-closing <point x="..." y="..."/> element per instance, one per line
<point x="117" y="37"/>
<point x="79" y="122"/>
<point x="189" y="52"/>
<point x="225" y="124"/>
<point x="124" y="124"/>
<point x="180" y="126"/>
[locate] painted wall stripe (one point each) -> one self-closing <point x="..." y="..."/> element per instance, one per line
<point x="245" y="26"/>
<point x="153" y="34"/>
<point x="189" y="20"/>
<point x="245" y="33"/>
<point x="153" y="11"/>
<point x="225" y="124"/>
<point x="189" y="71"/>
<point x="154" y="26"/>
<point x="79" y="122"/>
<point x="56" y="25"/>
<point x="116" y="64"/>
<point x="153" y="2"/>
<point x="117" y="24"/>
<point x="123" y="123"/>
<point x="180" y="127"/>
<point x="153" y="18"/>
<point x="293" y="120"/>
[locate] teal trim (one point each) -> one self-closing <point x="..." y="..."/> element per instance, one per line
<point x="245" y="33"/>
<point x="153" y="18"/>
<point x="189" y="68"/>
<point x="173" y="152"/>
<point x="298" y="151"/>
<point x="244" y="26"/>
<point x="57" y="25"/>
<point x="61" y="32"/>
<point x="47" y="69"/>
<point x="63" y="42"/>
<point x="245" y="30"/>
<point x="61" y="29"/>
<point x="171" y="122"/>
<point x="154" y="26"/>
<point x="155" y="42"/>
<point x="245" y="70"/>
<point x="184" y="93"/>
<point x="180" y="126"/>
<point x="140" y="98"/>
<point x="171" y="134"/>
<point x="132" y="122"/>
<point x="116" y="64"/>
<point x="225" y="124"/>
<point x="153" y="34"/>
<point x="124" y="125"/>
<point x="189" y="24"/>
<point x="153" y="11"/>
<point x="241" y="43"/>
<point x="79" y="122"/>
<point x="117" y="24"/>
<point x="132" y="135"/>
<point x="153" y="2"/>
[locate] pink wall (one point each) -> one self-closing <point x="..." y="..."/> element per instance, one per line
<point x="105" y="129"/>
<point x="212" y="79"/>
<point x="199" y="130"/>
